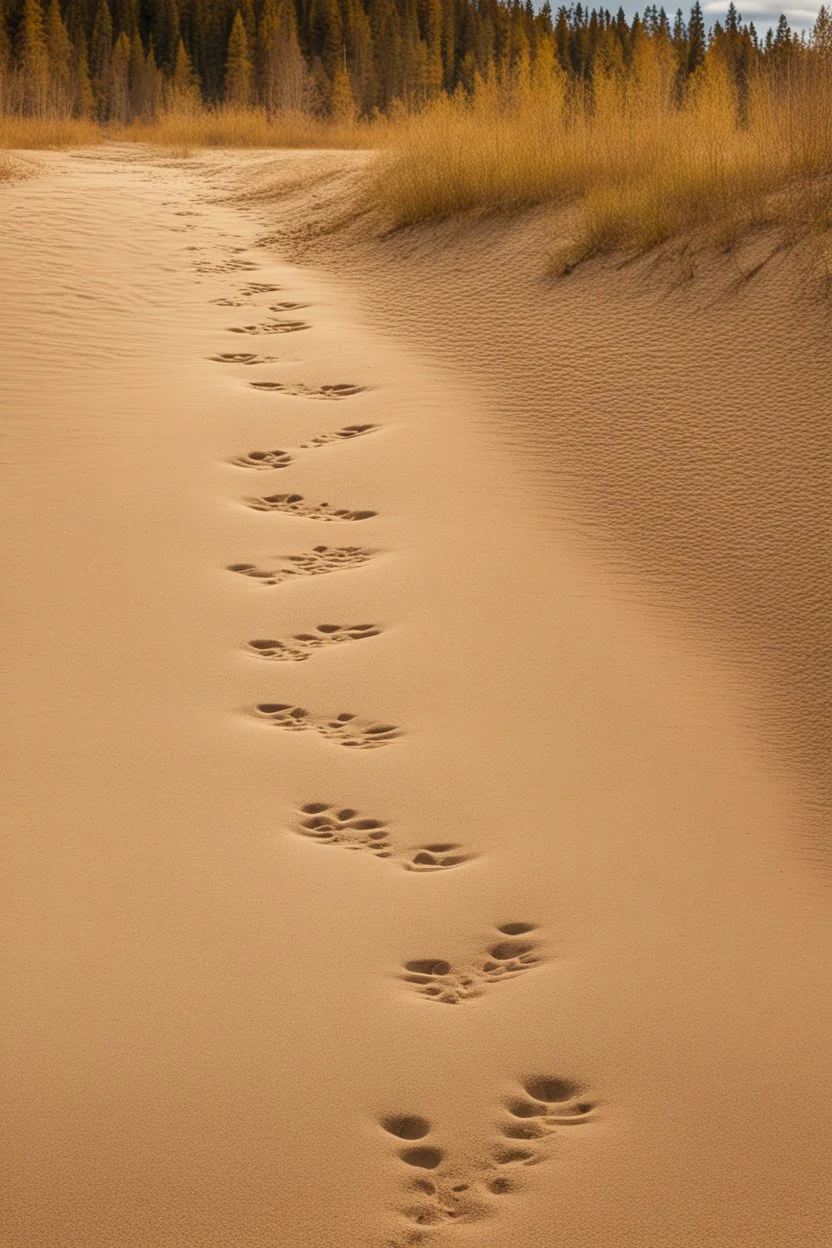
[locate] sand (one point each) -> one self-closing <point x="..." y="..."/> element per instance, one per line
<point x="533" y="949"/>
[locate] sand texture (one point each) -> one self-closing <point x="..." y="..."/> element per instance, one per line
<point x="418" y="718"/>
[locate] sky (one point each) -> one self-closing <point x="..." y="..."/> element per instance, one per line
<point x="760" y="13"/>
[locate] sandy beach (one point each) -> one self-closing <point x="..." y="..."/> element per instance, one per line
<point x="507" y="928"/>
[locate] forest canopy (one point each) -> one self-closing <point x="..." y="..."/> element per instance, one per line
<point x="119" y="60"/>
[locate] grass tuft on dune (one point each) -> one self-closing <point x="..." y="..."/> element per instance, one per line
<point x="641" y="168"/>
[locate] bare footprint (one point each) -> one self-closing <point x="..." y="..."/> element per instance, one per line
<point x="259" y="288"/>
<point x="342" y="729"/>
<point x="340" y="390"/>
<point x="509" y="954"/>
<point x="296" y="505"/>
<point x="347" y="828"/>
<point x="281" y="459"/>
<point x="270" y="327"/>
<point x="303" y="645"/>
<point x="316" y="562"/>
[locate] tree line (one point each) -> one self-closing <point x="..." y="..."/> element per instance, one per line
<point x="116" y="60"/>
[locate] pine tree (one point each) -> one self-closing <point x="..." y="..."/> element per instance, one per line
<point x="284" y="81"/>
<point x="118" y="81"/>
<point x="238" y="66"/>
<point x="822" y="32"/>
<point x="5" y="67"/>
<point x="697" y="43"/>
<point x="59" y="49"/>
<point x="101" y="43"/>
<point x="33" y="60"/>
<point x="136" y="75"/>
<point x="125" y="16"/>
<point x="83" y="99"/>
<point x="183" y="91"/>
<point x="164" y="30"/>
<point x="341" y="100"/>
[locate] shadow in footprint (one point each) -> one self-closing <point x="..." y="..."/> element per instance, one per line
<point x="303" y="645"/>
<point x="316" y="562"/>
<point x="344" y="729"/>
<point x="545" y="1103"/>
<point x="297" y="505"/>
<point x="346" y="828"/>
<point x="437" y="979"/>
<point x="270" y="327"/>
<point x="269" y="460"/>
<point x="341" y="390"/>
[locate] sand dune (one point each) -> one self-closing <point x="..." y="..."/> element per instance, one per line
<point x="496" y="929"/>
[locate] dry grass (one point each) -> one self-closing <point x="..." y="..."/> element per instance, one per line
<point x="30" y="133"/>
<point x="640" y="169"/>
<point x="251" y="128"/>
<point x="190" y="131"/>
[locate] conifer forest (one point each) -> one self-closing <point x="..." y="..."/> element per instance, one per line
<point x="121" y="60"/>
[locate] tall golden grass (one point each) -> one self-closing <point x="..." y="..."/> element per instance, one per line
<point x="253" y="128"/>
<point x="641" y="168"/>
<point x="191" y="130"/>
<point x="29" y="133"/>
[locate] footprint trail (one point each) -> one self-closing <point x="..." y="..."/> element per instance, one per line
<point x="346" y="828"/>
<point x="510" y="954"/>
<point x="296" y="505"/>
<point x="268" y="460"/>
<point x="316" y="562"/>
<point x="343" y="729"/>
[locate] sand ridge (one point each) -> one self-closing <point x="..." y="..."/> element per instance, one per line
<point x="234" y="945"/>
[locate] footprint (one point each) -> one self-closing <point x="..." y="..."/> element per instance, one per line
<point x="270" y="327"/>
<point x="259" y="288"/>
<point x="340" y="435"/>
<point x="316" y="562"/>
<point x="341" y="390"/>
<point x="263" y="459"/>
<point x="510" y="953"/>
<point x="230" y="303"/>
<point x="242" y="357"/>
<point x="343" y="729"/>
<point x="282" y="459"/>
<point x="288" y="307"/>
<point x="543" y="1104"/>
<point x="434" y="1193"/>
<point x="296" y="505"/>
<point x="438" y="1194"/>
<point x="349" y="829"/>
<point x="300" y="647"/>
